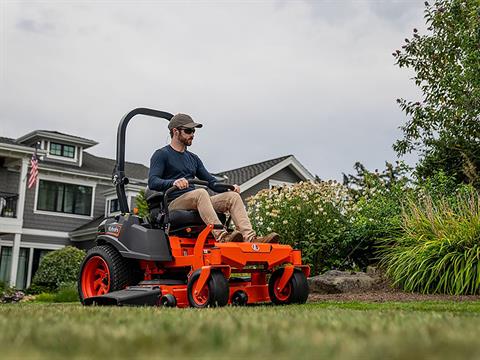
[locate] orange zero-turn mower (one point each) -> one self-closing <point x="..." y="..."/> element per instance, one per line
<point x="172" y="258"/>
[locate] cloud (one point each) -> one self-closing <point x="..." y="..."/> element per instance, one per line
<point x="34" y="26"/>
<point x="313" y="79"/>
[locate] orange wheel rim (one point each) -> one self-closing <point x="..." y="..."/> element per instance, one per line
<point x="202" y="297"/>
<point x="95" y="277"/>
<point x="284" y="294"/>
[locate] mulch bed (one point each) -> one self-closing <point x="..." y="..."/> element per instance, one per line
<point x="383" y="296"/>
<point x="383" y="291"/>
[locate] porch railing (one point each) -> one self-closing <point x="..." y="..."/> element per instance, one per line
<point x="8" y="204"/>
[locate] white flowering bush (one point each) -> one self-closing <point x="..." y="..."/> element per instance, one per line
<point x="311" y="216"/>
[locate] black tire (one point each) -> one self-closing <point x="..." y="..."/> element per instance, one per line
<point x="239" y="298"/>
<point x="296" y="291"/>
<point x="218" y="290"/>
<point x="119" y="269"/>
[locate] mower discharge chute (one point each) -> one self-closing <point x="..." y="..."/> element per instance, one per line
<point x="172" y="258"/>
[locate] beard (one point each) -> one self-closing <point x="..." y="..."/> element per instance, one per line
<point x="186" y="140"/>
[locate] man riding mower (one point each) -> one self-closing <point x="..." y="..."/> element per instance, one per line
<point x="183" y="254"/>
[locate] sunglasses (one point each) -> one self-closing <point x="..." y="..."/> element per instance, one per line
<point x="187" y="131"/>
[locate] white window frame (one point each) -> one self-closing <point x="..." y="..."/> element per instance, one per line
<point x="107" y="206"/>
<point x="130" y="196"/>
<point x="275" y="183"/>
<point x="91" y="184"/>
<point x="63" y="158"/>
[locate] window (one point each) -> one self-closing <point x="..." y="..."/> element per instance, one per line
<point x="278" y="184"/>
<point x="5" y="263"/>
<point x="64" y="198"/>
<point x="38" y="255"/>
<point x="22" y="269"/>
<point x="114" y="206"/>
<point x="62" y="150"/>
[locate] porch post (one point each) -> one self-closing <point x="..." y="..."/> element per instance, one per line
<point x="15" y="255"/>
<point x="22" y="187"/>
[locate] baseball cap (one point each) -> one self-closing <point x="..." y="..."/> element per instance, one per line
<point x="183" y="120"/>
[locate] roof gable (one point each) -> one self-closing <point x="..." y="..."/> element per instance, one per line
<point x="245" y="173"/>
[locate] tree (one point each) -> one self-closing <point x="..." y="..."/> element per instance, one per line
<point x="366" y="180"/>
<point x="444" y="126"/>
<point x="141" y="203"/>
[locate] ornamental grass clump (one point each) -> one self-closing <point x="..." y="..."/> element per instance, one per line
<point x="310" y="216"/>
<point x="439" y="248"/>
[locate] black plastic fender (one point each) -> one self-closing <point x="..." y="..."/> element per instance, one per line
<point x="140" y="243"/>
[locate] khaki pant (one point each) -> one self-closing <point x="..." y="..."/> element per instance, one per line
<point x="207" y="206"/>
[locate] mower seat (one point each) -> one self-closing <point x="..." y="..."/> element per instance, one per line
<point x="179" y="219"/>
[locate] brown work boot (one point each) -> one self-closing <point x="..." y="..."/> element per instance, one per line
<point x="234" y="236"/>
<point x="270" y="238"/>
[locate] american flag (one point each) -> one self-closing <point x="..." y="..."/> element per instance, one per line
<point x="32" y="179"/>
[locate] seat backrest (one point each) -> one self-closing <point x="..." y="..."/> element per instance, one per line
<point x="154" y="199"/>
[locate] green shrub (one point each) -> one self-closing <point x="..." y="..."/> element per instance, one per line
<point x="438" y="250"/>
<point x="378" y="216"/>
<point x="312" y="217"/>
<point x="59" y="267"/>
<point x="66" y="293"/>
<point x="36" y="289"/>
<point x="378" y="197"/>
<point x="45" y="298"/>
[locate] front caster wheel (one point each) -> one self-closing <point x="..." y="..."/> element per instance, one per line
<point x="240" y="298"/>
<point x="214" y="293"/>
<point x="295" y="292"/>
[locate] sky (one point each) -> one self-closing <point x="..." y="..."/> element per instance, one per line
<point x="315" y="79"/>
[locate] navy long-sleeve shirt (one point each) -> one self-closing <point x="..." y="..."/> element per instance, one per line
<point x="168" y="165"/>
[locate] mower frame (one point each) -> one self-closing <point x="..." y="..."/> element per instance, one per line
<point x="182" y="270"/>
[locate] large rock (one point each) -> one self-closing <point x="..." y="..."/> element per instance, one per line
<point x="335" y="282"/>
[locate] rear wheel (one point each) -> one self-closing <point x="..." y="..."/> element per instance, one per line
<point x="214" y="293"/>
<point x="103" y="270"/>
<point x="295" y="292"/>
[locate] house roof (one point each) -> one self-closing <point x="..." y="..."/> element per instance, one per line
<point x="104" y="166"/>
<point x="5" y="140"/>
<point x="245" y="173"/>
<point x="56" y="135"/>
<point x="91" y="224"/>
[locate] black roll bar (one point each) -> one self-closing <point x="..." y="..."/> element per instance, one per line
<point x="118" y="176"/>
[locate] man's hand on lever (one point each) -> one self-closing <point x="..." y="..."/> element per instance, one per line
<point x="181" y="183"/>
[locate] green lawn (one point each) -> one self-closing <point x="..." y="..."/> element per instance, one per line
<point x="433" y="330"/>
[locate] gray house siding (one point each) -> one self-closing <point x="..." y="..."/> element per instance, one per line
<point x="7" y="237"/>
<point x="9" y="180"/>
<point x="45" y="240"/>
<point x="255" y="189"/>
<point x="285" y="174"/>
<point x="99" y="208"/>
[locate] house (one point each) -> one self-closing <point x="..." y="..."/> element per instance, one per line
<point x="74" y="193"/>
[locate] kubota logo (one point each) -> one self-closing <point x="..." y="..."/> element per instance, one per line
<point x="113" y="229"/>
<point x="255" y="247"/>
